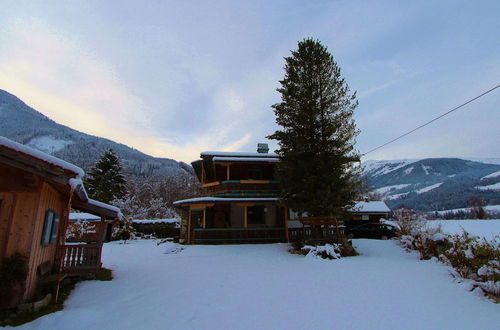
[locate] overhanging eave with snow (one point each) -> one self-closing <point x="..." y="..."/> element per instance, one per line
<point x="221" y="200"/>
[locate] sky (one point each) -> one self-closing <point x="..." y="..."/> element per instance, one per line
<point x="174" y="78"/>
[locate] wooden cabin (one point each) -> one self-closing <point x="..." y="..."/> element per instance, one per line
<point x="37" y="192"/>
<point x="89" y="228"/>
<point x="239" y="203"/>
<point x="365" y="212"/>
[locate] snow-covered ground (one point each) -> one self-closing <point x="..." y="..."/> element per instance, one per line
<point x="483" y="228"/>
<point x="265" y="287"/>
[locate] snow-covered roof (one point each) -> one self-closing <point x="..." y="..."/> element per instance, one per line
<point x="372" y="206"/>
<point x="7" y="143"/>
<point x="83" y="216"/>
<point x="225" y="200"/>
<point x="246" y="159"/>
<point x="238" y="154"/>
<point x="104" y="205"/>
<point x="173" y="220"/>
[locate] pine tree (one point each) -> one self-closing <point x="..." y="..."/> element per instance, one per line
<point x="106" y="181"/>
<point x="317" y="135"/>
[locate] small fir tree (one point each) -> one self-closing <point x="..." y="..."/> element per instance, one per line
<point x="316" y="139"/>
<point x="106" y="181"/>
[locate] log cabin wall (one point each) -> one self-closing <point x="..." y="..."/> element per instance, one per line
<point x="25" y="199"/>
<point x="55" y="201"/>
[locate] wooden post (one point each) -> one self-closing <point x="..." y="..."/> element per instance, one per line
<point x="286" y="224"/>
<point x="189" y="228"/>
<point x="204" y="225"/>
<point x="228" y="172"/>
<point x="245" y="216"/>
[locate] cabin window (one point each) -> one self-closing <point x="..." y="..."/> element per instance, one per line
<point x="55" y="227"/>
<point x="256" y="215"/>
<point x="365" y="217"/>
<point x="50" y="228"/>
<point x="254" y="173"/>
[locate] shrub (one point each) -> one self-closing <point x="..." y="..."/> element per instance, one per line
<point x="13" y="272"/>
<point x="471" y="257"/>
<point x="124" y="231"/>
<point x="408" y="221"/>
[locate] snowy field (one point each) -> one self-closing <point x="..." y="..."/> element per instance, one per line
<point x="265" y="287"/>
<point x="483" y="228"/>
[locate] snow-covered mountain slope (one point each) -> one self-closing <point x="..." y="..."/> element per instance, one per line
<point x="23" y="124"/>
<point x="434" y="183"/>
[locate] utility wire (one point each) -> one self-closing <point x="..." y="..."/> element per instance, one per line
<point x="433" y="120"/>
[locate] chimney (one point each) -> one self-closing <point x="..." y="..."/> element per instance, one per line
<point x="262" y="148"/>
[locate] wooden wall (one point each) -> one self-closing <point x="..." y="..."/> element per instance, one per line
<point x="22" y="215"/>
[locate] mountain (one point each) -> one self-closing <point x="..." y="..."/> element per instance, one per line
<point x="23" y="124"/>
<point x="434" y="183"/>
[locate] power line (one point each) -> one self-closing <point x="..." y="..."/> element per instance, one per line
<point x="433" y="120"/>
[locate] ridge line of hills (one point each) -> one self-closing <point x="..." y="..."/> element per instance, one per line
<point x="23" y="124"/>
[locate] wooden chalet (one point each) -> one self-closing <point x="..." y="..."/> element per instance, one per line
<point x="37" y="192"/>
<point x="240" y="201"/>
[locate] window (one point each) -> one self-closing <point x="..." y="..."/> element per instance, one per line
<point x="50" y="228"/>
<point x="256" y="215"/>
<point x="365" y="217"/>
<point x="254" y="173"/>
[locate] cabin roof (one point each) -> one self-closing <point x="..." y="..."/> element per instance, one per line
<point x="371" y="207"/>
<point x="246" y="159"/>
<point x="83" y="216"/>
<point x="40" y="156"/>
<point x="237" y="154"/>
<point x="225" y="200"/>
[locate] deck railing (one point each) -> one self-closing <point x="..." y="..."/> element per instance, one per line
<point x="237" y="188"/>
<point x="317" y="234"/>
<point x="81" y="258"/>
<point x="238" y="235"/>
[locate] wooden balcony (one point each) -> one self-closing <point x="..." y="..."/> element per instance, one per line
<point x="238" y="235"/>
<point x="241" y="188"/>
<point x="81" y="259"/>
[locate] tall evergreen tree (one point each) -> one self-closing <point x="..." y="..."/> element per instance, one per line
<point x="317" y="135"/>
<point x="106" y="181"/>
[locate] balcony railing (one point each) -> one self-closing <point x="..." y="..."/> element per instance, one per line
<point x="238" y="235"/>
<point x="81" y="258"/>
<point x="242" y="188"/>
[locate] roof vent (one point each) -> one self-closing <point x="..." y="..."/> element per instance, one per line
<point x="262" y="148"/>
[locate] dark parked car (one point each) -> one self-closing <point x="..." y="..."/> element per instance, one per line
<point x="372" y="230"/>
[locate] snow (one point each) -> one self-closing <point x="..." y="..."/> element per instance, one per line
<point x="83" y="216"/>
<point x="396" y="196"/>
<point x="372" y="206"/>
<point x="238" y="154"/>
<point x="492" y="175"/>
<point x="386" y="166"/>
<point x="495" y="186"/>
<point x="246" y="159"/>
<point x="48" y="144"/>
<point x="172" y="220"/>
<point x="488" y="208"/>
<point x="264" y="287"/>
<point x="7" y="143"/>
<point x="225" y="200"/>
<point x="482" y="228"/>
<point x="428" y="188"/>
<point x="386" y="189"/>
<point x="426" y="169"/>
<point x="408" y="170"/>
<point x="104" y="206"/>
